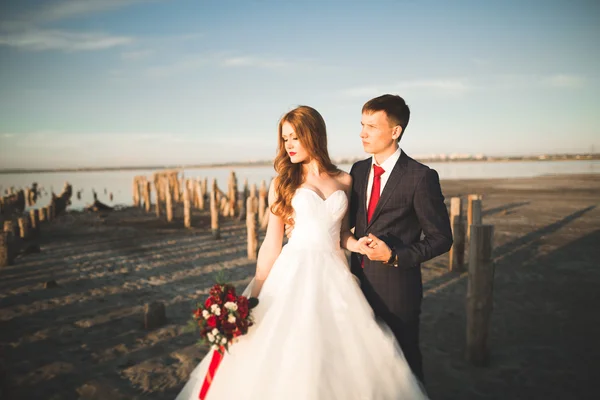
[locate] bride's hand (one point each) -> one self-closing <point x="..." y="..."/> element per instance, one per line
<point x="361" y="245"/>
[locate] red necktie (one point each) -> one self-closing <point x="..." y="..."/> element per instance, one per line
<point x="375" y="193"/>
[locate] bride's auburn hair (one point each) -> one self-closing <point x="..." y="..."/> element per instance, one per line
<point x="310" y="130"/>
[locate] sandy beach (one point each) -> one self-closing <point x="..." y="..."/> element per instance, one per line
<point x="84" y="339"/>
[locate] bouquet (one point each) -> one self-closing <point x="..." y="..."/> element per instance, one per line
<point x="222" y="318"/>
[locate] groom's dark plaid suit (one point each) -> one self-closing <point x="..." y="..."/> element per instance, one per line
<point x="411" y="204"/>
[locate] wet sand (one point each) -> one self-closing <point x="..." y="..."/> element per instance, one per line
<point x="85" y="338"/>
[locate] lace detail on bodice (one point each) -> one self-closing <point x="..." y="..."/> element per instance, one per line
<point x="317" y="221"/>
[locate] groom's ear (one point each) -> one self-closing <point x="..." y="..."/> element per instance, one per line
<point x="397" y="133"/>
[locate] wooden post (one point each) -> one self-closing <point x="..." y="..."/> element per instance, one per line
<point x="176" y="188"/>
<point x="200" y="195"/>
<point x="479" y="293"/>
<point x="5" y="260"/>
<point x="34" y="221"/>
<point x="21" y="204"/>
<point x="157" y="188"/>
<point x="187" y="204"/>
<point x="42" y="212"/>
<point x="252" y="227"/>
<point x="180" y="186"/>
<point x="23" y="227"/>
<point x="136" y="191"/>
<point x="189" y="183"/>
<point x="457" y="251"/>
<point x="243" y="199"/>
<point x="470" y="199"/>
<point x="156" y="178"/>
<point x="48" y="213"/>
<point x="214" y="216"/>
<point x="233" y="191"/>
<point x="262" y="201"/>
<point x="215" y="188"/>
<point x="168" y="200"/>
<point x="224" y="205"/>
<point x="205" y="186"/>
<point x="476" y="212"/>
<point x="147" y="196"/>
<point x="11" y="242"/>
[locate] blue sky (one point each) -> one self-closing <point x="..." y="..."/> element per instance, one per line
<point x="134" y="82"/>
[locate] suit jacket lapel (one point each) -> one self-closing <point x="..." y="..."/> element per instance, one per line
<point x="390" y="186"/>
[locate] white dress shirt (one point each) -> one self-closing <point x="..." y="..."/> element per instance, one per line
<point x="387" y="166"/>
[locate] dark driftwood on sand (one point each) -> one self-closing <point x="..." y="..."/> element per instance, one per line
<point x="98" y="206"/>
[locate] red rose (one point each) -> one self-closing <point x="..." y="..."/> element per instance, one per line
<point x="230" y="297"/>
<point x="243" y="307"/>
<point x="212" y="321"/>
<point x="228" y="327"/>
<point x="197" y="313"/>
<point x="208" y="303"/>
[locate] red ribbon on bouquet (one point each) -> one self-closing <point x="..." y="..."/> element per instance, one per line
<point x="212" y="369"/>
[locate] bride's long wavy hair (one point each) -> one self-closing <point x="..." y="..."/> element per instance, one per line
<point x="310" y="129"/>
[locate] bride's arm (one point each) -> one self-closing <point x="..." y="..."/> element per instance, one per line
<point x="270" y="247"/>
<point x="347" y="239"/>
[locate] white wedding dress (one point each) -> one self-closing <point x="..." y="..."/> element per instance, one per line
<point x="315" y="336"/>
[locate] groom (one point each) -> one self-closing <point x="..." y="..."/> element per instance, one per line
<point x="397" y="203"/>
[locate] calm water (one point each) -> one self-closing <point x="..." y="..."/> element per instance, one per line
<point x="119" y="183"/>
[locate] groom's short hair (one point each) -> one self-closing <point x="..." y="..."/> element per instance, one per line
<point x="393" y="105"/>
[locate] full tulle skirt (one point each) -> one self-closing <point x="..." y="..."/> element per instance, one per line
<point x="314" y="337"/>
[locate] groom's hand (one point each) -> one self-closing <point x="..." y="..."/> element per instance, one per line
<point x="376" y="249"/>
<point x="289" y="228"/>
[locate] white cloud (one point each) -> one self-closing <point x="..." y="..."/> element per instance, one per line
<point x="564" y="81"/>
<point x="41" y="39"/>
<point x="27" y="29"/>
<point x="194" y="62"/>
<point x="61" y="10"/>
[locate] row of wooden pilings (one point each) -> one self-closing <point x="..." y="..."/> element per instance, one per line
<point x="469" y="232"/>
<point x="169" y="190"/>
<point x="19" y="228"/>
<point x="478" y="237"/>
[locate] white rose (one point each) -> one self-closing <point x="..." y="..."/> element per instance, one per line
<point x="218" y="312"/>
<point x="214" y="307"/>
<point x="211" y="337"/>
<point x="205" y="314"/>
<point x="231" y="306"/>
<point x="231" y="319"/>
<point x="223" y="341"/>
<point x="215" y="331"/>
<point x="214" y="347"/>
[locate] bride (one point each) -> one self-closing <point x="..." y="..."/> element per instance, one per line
<point x="315" y="336"/>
